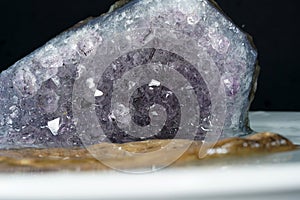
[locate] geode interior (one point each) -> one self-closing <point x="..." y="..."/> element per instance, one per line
<point x="151" y="69"/>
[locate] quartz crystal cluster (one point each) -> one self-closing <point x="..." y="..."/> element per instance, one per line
<point x="149" y="69"/>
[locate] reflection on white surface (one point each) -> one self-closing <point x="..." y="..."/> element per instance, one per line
<point x="274" y="176"/>
<point x="285" y="123"/>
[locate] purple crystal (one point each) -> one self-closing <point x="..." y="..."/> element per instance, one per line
<point x="151" y="69"/>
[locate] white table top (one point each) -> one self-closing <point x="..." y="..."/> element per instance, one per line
<point x="275" y="176"/>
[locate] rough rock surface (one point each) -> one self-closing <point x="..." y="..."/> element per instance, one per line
<point x="151" y="69"/>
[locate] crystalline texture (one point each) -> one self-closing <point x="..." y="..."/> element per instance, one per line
<point x="141" y="67"/>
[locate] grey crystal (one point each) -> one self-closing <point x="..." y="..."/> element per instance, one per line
<point x="146" y="70"/>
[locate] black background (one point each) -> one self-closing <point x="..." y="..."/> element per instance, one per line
<point x="27" y="25"/>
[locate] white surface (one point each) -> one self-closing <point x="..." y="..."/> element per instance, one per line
<point x="285" y="123"/>
<point x="275" y="176"/>
<point x="175" y="184"/>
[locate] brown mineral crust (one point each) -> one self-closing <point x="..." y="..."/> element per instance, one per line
<point x="118" y="4"/>
<point x="258" y="143"/>
<point x="42" y="160"/>
<point x="253" y="86"/>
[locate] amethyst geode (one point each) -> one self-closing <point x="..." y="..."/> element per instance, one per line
<point x="150" y="69"/>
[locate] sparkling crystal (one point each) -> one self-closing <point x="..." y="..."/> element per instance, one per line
<point x="53" y="126"/>
<point x="150" y="69"/>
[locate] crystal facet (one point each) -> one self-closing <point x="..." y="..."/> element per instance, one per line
<point x="150" y="69"/>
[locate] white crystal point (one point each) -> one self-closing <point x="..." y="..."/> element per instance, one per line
<point x="98" y="93"/>
<point x="154" y="83"/>
<point x="54" y="126"/>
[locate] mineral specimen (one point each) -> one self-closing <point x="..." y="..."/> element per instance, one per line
<point x="150" y="69"/>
